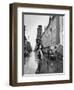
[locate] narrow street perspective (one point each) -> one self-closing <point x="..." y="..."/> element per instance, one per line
<point x="43" y="48"/>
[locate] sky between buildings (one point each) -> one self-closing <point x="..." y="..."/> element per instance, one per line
<point x="31" y="22"/>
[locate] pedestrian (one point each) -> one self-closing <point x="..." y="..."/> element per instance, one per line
<point x="39" y="64"/>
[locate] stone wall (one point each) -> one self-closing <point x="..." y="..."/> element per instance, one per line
<point x="53" y="34"/>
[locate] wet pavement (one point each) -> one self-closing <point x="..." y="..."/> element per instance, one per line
<point x="32" y="66"/>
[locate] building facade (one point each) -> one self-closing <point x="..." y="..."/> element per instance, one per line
<point x="39" y="33"/>
<point x="53" y="34"/>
